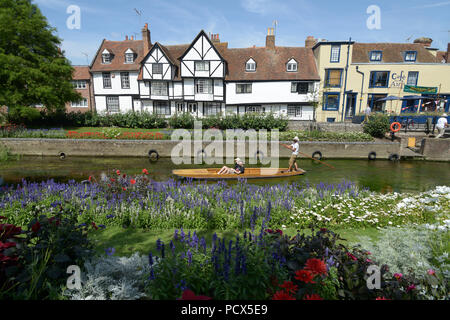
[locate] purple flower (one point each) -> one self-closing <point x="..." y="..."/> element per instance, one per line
<point x="158" y="244"/>
<point x="150" y="259"/>
<point x="110" y="251"/>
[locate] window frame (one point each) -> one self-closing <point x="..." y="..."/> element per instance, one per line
<point x="325" y="106"/>
<point x="154" y="87"/>
<point x="371" y="78"/>
<point x="262" y="109"/>
<point x="338" y="55"/>
<point x="292" y="64"/>
<point x="204" y="63"/>
<point x="247" y="85"/>
<point x="409" y="52"/>
<point x="78" y="105"/>
<point x="107" y="78"/>
<point x="79" y="84"/>
<point x="417" y="78"/>
<point x="327" y="78"/>
<point x="250" y="63"/>
<point x="104" y="55"/>
<point x="376" y="51"/>
<point x="122" y="79"/>
<point x="108" y="104"/>
<point x="159" y="106"/>
<point x="297" y="107"/>
<point x="216" y="106"/>
<point x="129" y="55"/>
<point x="159" y="65"/>
<point x="209" y="87"/>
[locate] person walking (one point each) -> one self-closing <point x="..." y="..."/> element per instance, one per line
<point x="294" y="147"/>
<point x="367" y="113"/>
<point x="442" y="123"/>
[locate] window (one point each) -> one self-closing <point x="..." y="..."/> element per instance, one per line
<point x="106" y="80"/>
<point x="410" y="56"/>
<point x="291" y="67"/>
<point x="333" y="78"/>
<point x="250" y="66"/>
<point x="413" y="76"/>
<point x="201" y="65"/>
<point x="203" y="86"/>
<point x="335" y="53"/>
<point x="302" y="87"/>
<point x="211" y="108"/>
<point x="179" y="107"/>
<point x="129" y="57"/>
<point x="112" y="104"/>
<point x="192" y="107"/>
<point x="376" y="55"/>
<point x="255" y="109"/>
<point x="331" y="101"/>
<point x="106" y="58"/>
<point x="243" y="88"/>
<point x="294" y="111"/>
<point x="159" y="88"/>
<point x="379" y="79"/>
<point x="157" y="68"/>
<point x="161" y="107"/>
<point x="125" y="79"/>
<point x="81" y="104"/>
<point x="374" y="102"/>
<point x="79" y="84"/>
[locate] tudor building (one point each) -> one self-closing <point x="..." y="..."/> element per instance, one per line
<point x="204" y="78"/>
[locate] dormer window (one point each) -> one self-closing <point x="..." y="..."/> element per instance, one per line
<point x="376" y="55"/>
<point x="106" y="57"/>
<point x="250" y="66"/>
<point x="129" y="56"/>
<point x="410" y="56"/>
<point x="291" y="66"/>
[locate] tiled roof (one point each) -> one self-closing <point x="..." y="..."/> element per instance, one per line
<point x="270" y="64"/>
<point x="118" y="48"/>
<point x="392" y="52"/>
<point x="441" y="57"/>
<point x="81" y="73"/>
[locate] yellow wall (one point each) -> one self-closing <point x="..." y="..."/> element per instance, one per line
<point x="430" y="75"/>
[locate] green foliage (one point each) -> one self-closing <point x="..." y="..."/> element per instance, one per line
<point x="24" y="115"/>
<point x="182" y="121"/>
<point x="316" y="135"/>
<point x="378" y="125"/>
<point x="32" y="68"/>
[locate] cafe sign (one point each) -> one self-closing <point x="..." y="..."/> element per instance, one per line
<point x="417" y="89"/>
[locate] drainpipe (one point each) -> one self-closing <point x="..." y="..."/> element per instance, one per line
<point x="345" y="84"/>
<point x="362" y="87"/>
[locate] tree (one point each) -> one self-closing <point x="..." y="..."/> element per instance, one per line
<point x="33" y="69"/>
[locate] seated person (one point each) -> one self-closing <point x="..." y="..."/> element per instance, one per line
<point x="238" y="168"/>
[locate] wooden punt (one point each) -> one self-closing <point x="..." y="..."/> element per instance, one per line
<point x="250" y="173"/>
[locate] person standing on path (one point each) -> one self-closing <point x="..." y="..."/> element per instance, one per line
<point x="441" y="125"/>
<point x="367" y="113"/>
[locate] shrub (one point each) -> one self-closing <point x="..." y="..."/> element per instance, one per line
<point x="182" y="121"/>
<point x="23" y="115"/>
<point x="378" y="125"/>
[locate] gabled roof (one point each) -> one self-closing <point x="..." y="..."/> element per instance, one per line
<point x="81" y="73"/>
<point x="271" y="64"/>
<point x="118" y="49"/>
<point x="201" y="33"/>
<point x="392" y="52"/>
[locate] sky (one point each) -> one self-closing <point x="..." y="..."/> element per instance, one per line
<point x="244" y="23"/>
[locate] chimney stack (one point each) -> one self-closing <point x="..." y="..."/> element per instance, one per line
<point x="126" y="37"/>
<point x="447" y="56"/>
<point x="146" y="38"/>
<point x="270" y="39"/>
<point x="215" y="38"/>
<point x="426" y="42"/>
<point x="310" y="42"/>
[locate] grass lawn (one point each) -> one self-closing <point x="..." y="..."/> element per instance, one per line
<point x="130" y="240"/>
<point x="98" y="129"/>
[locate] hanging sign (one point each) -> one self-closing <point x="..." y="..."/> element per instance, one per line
<point x="417" y="89"/>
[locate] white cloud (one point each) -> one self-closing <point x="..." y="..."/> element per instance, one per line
<point x="256" y="6"/>
<point x="433" y="5"/>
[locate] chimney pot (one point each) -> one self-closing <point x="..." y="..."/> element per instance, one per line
<point x="132" y="38"/>
<point x="270" y="39"/>
<point x="146" y="38"/>
<point x="310" y="42"/>
<point x="126" y="37"/>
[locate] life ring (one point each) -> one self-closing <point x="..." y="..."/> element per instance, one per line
<point x="396" y="125"/>
<point x="394" y="157"/>
<point x="62" y="156"/>
<point x="372" y="155"/>
<point x="259" y="155"/>
<point x="317" y="153"/>
<point x="151" y="152"/>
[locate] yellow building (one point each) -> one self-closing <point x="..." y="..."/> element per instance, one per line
<point x="354" y="75"/>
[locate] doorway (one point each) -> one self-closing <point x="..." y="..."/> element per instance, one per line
<point x="350" y="108"/>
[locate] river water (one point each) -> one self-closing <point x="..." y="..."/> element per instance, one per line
<point x="379" y="175"/>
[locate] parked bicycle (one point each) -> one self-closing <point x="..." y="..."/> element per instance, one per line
<point x="409" y="124"/>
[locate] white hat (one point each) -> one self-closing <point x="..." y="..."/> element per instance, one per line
<point x="445" y="115"/>
<point x="238" y="160"/>
<point x="295" y="138"/>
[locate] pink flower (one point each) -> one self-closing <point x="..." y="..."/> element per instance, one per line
<point x="411" y="287"/>
<point x="431" y="272"/>
<point x="398" y="276"/>
<point x="351" y="256"/>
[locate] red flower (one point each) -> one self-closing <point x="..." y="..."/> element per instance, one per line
<point x="124" y="189"/>
<point x="124" y="175"/>
<point x="7" y="245"/>
<point x="382" y="298"/>
<point x="8" y="231"/>
<point x="323" y="230"/>
<point x="90" y="178"/>
<point x="118" y="172"/>
<point x="282" y="295"/>
<point x="190" y="295"/>
<point x="94" y="226"/>
<point x="304" y="275"/>
<point x="113" y="180"/>
<point x="290" y="287"/>
<point x="351" y="256"/>
<point x="145" y="171"/>
<point x="132" y="181"/>
<point x="312" y="297"/>
<point x="316" y="266"/>
<point x="35" y="227"/>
